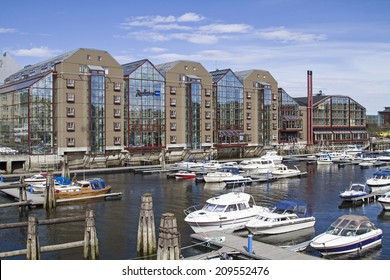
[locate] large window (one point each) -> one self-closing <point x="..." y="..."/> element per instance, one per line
<point x="97" y="112"/>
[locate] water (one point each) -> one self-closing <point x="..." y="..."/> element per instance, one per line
<point x="117" y="220"/>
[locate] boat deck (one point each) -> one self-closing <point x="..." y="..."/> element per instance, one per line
<point x="261" y="251"/>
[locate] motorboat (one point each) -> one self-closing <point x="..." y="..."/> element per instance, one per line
<point x="286" y="216"/>
<point x="59" y="182"/>
<point x="189" y="165"/>
<point x="368" y="162"/>
<point x="348" y="234"/>
<point x="87" y="188"/>
<point x="228" y="212"/>
<point x="282" y="171"/>
<point x="353" y="150"/>
<point x="355" y="190"/>
<point x="324" y="159"/>
<point x="36" y="178"/>
<point x="182" y="174"/>
<point x="223" y="175"/>
<point x="273" y="155"/>
<point x="257" y="166"/>
<point x="211" y="165"/>
<point x="385" y="201"/>
<point x="229" y="164"/>
<point x="380" y="180"/>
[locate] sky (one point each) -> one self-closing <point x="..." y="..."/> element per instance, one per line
<point x="345" y="43"/>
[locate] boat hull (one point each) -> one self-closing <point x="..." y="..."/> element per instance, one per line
<point x="64" y="194"/>
<point x="385" y="202"/>
<point x="328" y="244"/>
<point x="278" y="228"/>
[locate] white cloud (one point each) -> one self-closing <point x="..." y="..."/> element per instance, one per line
<point x="36" y="52"/>
<point x="7" y="30"/>
<point x="284" y="35"/>
<point x="226" y="28"/>
<point x="190" y="17"/>
<point x="173" y="26"/>
<point x="155" y="50"/>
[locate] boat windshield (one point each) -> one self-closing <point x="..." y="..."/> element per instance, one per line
<point x="349" y="228"/>
<point x="214" y="207"/>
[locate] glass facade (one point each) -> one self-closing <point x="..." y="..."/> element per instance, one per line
<point x="97" y="112"/>
<point x="193" y="113"/>
<point x="26" y="122"/>
<point x="145" y="107"/>
<point x="266" y="97"/>
<point x="290" y="122"/>
<point x="228" y="95"/>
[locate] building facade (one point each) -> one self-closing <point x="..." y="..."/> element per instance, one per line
<point x="290" y="119"/>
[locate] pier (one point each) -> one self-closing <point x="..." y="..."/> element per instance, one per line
<point x="227" y="242"/>
<point x="357" y="201"/>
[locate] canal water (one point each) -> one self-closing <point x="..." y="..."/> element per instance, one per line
<point x="117" y="220"/>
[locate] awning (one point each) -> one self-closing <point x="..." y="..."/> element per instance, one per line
<point x="96" y="67"/>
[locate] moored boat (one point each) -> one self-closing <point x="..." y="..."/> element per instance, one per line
<point x="355" y="190"/>
<point x="348" y="234"/>
<point x="87" y="188"/>
<point x="286" y="216"/>
<point x="385" y="201"/>
<point x="228" y="212"/>
<point x="282" y="171"/>
<point x="223" y="175"/>
<point x="182" y="174"/>
<point x="36" y="178"/>
<point x="380" y="180"/>
<point x="273" y="155"/>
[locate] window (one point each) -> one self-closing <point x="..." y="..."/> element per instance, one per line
<point x="248" y="116"/>
<point x="248" y="126"/>
<point x="248" y="105"/>
<point x="173" y="114"/>
<point x="173" y="102"/>
<point x="70" y="83"/>
<point x="70" y="112"/>
<point x="248" y="95"/>
<point x="208" y="114"/>
<point x="208" y="126"/>
<point x="70" y="126"/>
<point x="274" y="106"/>
<point x="173" y="139"/>
<point x="89" y="57"/>
<point x="208" y="103"/>
<point x="173" y="90"/>
<point x="70" y="97"/>
<point x="208" y="92"/>
<point x="117" y="140"/>
<point x="273" y="116"/>
<point x="117" y="99"/>
<point x="70" y="142"/>
<point x="173" y="126"/>
<point x="208" y="138"/>
<point x="117" y="113"/>
<point x="117" y="86"/>
<point x="117" y="126"/>
<point x="100" y="58"/>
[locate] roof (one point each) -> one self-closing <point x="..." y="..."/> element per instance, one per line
<point x="20" y="84"/>
<point x="131" y="67"/>
<point x="219" y="74"/>
<point x="164" y="68"/>
<point x="230" y="198"/>
<point x="302" y="101"/>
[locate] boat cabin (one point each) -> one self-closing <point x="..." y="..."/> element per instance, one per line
<point x="351" y="225"/>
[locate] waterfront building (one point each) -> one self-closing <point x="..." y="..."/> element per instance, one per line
<point x="290" y="119"/>
<point x="144" y="106"/>
<point x="70" y="104"/>
<point x="188" y="105"/>
<point x="384" y="117"/>
<point x="337" y="119"/>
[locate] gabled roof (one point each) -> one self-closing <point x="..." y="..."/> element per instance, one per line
<point x="164" y="68"/>
<point x="132" y="66"/>
<point x="219" y="74"/>
<point x="302" y="101"/>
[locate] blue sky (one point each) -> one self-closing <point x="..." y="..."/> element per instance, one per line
<point x="346" y="43"/>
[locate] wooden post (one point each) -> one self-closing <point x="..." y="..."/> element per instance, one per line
<point x="65" y="167"/>
<point x="91" y="242"/>
<point x="21" y="207"/>
<point x="146" y="239"/>
<point x="168" y="238"/>
<point x="33" y="250"/>
<point x="49" y="201"/>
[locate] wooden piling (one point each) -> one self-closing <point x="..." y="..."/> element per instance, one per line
<point x="49" y="201"/>
<point x="91" y="242"/>
<point x="146" y="239"/>
<point x="168" y="238"/>
<point x="22" y="197"/>
<point x="32" y="248"/>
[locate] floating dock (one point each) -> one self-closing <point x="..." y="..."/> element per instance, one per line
<point x="260" y="251"/>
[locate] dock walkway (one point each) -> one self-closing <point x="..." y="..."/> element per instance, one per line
<point x="261" y="251"/>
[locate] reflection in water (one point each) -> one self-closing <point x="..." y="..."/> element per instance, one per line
<point x="117" y="220"/>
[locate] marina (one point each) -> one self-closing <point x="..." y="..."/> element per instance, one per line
<point x="116" y="220"/>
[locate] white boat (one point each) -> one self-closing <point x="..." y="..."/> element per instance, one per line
<point x="286" y="216"/>
<point x="353" y="150"/>
<point x="282" y="171"/>
<point x="189" y="165"/>
<point x="228" y="212"/>
<point x="257" y="166"/>
<point x="273" y="155"/>
<point x="385" y="201"/>
<point x="229" y="164"/>
<point x="36" y="178"/>
<point x="224" y="175"/>
<point x="380" y="180"/>
<point x="348" y="234"/>
<point x="355" y="190"/>
<point x="324" y="159"/>
<point x="211" y="165"/>
<point x="368" y="162"/>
